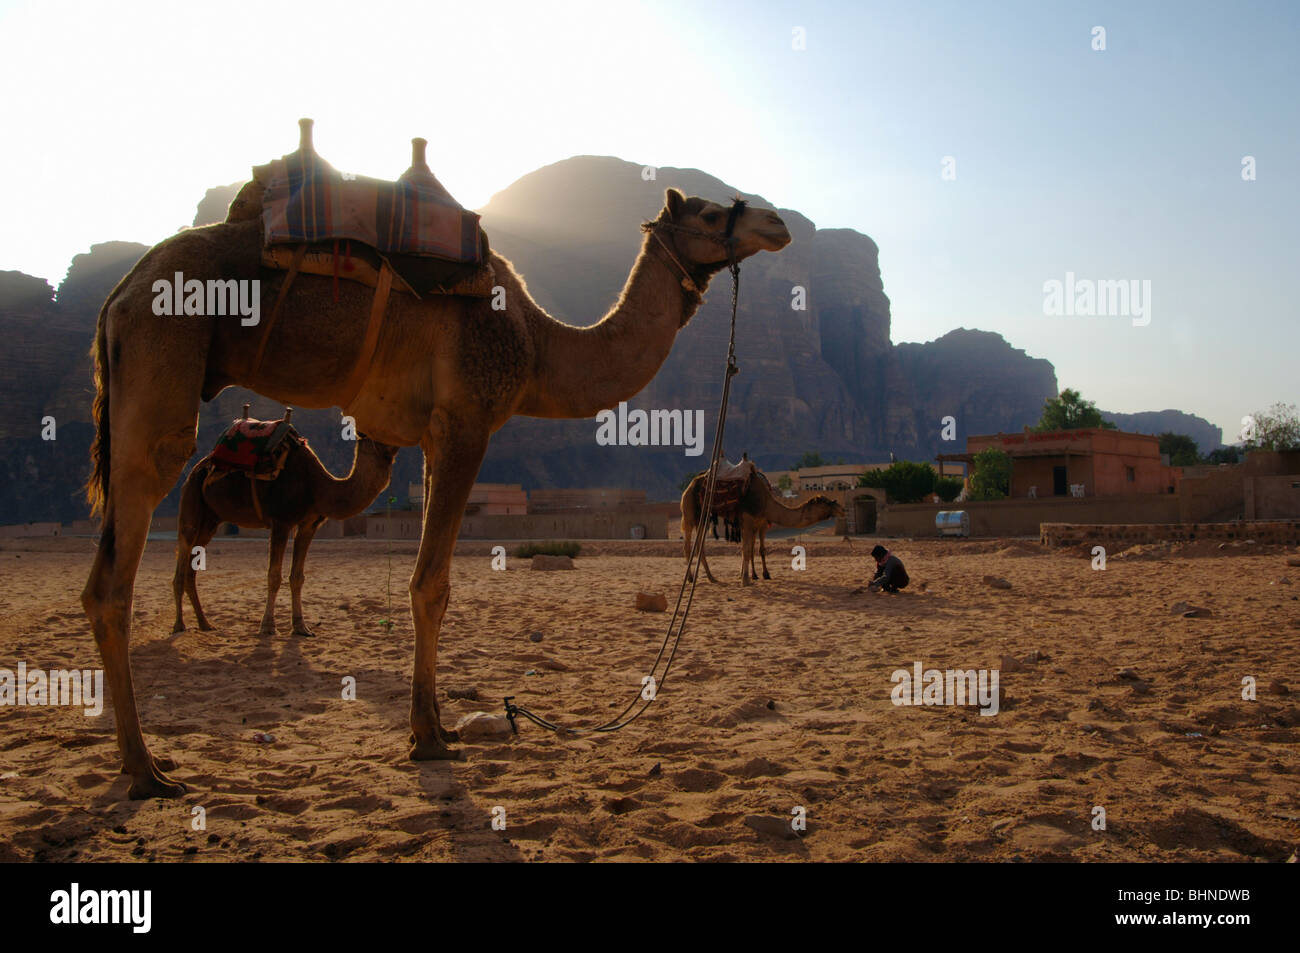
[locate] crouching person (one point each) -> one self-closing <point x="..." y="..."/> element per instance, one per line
<point x="890" y="575"/>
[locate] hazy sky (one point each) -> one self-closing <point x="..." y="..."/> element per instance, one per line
<point x="1124" y="164"/>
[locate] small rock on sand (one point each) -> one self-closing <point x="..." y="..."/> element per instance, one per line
<point x="997" y="582"/>
<point x="548" y="563"/>
<point x="468" y="694"/>
<point x="1036" y="656"/>
<point x="775" y="826"/>
<point x="535" y="636"/>
<point x="651" y="602"/>
<point x="1127" y="674"/>
<point x="1178" y="608"/>
<point x="1009" y="664"/>
<point x="1279" y="688"/>
<point x="1197" y="612"/>
<point x="481" y="726"/>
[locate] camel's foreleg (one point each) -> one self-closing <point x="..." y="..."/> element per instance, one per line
<point x="453" y="450"/>
<point x="762" y="551"/>
<point x="279" y="540"/>
<point x="297" y="575"/>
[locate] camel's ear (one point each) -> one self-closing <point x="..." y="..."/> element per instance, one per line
<point x="673" y="202"/>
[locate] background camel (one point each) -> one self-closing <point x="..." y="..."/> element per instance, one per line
<point x="759" y="510"/>
<point x="299" y="500"/>
<point x="447" y="373"/>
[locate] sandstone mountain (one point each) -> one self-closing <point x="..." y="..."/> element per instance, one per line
<point x="822" y="377"/>
<point x="1207" y="436"/>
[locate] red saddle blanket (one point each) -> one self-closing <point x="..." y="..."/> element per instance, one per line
<point x="256" y="447"/>
<point x="731" y="484"/>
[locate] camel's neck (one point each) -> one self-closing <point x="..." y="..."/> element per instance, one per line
<point x="582" y="371"/>
<point x="352" y="494"/>
<point x="793" y="517"/>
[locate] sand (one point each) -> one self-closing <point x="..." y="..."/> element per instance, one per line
<point x="779" y="699"/>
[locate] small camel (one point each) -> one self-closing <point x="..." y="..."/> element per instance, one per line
<point x="302" y="497"/>
<point x="759" y="510"/>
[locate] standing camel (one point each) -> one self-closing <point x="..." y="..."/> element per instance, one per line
<point x="447" y="372"/>
<point x="302" y="497"/>
<point x="759" y="510"/>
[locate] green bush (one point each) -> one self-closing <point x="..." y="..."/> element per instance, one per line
<point x="903" y="482"/>
<point x="948" y="488"/>
<point x="529" y="550"/>
<point x="992" y="478"/>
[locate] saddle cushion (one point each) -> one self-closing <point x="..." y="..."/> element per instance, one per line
<point x="731" y="484"/>
<point x="307" y="200"/>
<point x="256" y="447"/>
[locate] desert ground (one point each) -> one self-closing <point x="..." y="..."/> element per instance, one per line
<point x="780" y="698"/>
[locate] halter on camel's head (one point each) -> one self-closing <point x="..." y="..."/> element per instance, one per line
<point x="699" y="238"/>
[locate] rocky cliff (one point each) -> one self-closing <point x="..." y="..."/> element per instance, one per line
<point x="818" y="369"/>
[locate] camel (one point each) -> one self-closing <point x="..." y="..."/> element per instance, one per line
<point x="302" y="497"/>
<point x="759" y="510"/>
<point x="446" y="373"/>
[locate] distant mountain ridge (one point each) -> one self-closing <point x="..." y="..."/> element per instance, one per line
<point x="826" y="378"/>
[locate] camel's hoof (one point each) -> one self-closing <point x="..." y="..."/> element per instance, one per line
<point x="434" y="750"/>
<point x="303" y="631"/>
<point x="266" y="631"/>
<point x="449" y="735"/>
<point x="205" y="627"/>
<point x="155" y="784"/>
<point x="178" y="627"/>
<point x="767" y="575"/>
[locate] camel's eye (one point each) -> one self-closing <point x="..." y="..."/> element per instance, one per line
<point x="711" y="218"/>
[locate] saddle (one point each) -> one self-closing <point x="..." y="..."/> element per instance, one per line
<point x="729" y="487"/>
<point x="258" y="449"/>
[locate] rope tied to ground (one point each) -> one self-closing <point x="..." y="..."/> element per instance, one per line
<point x="685" y="597"/>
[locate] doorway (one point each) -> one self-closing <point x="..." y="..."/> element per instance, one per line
<point x="1059" y="485"/>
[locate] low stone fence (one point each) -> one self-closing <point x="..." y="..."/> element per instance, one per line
<point x="1261" y="531"/>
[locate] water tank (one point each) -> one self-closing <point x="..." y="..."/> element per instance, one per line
<point x="952" y="523"/>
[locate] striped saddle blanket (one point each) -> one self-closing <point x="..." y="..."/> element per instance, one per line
<point x="308" y="201"/>
<point x="255" y="447"/>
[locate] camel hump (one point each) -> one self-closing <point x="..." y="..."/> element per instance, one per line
<point x="736" y="472"/>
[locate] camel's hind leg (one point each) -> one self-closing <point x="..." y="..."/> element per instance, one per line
<point x="275" y="565"/>
<point x="297" y="573"/>
<point x="762" y="552"/>
<point x="152" y="436"/>
<point x="453" y="451"/>
<point x="194" y="527"/>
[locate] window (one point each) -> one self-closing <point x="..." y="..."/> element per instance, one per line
<point x="1129" y="474"/>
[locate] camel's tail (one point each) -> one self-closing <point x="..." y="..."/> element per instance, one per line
<point x="97" y="485"/>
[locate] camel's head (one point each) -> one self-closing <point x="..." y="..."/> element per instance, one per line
<point x="697" y="228"/>
<point x="382" y="451"/>
<point x="826" y="505"/>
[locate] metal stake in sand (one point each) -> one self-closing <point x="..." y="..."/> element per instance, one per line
<point x="387" y="623"/>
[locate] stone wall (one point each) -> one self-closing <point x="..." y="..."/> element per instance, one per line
<point x="1261" y="531"/>
<point x="1272" y="497"/>
<point x="1022" y="517"/>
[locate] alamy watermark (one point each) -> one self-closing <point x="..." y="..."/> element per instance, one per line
<point x="655" y="428"/>
<point x="213" y="298"/>
<point x="946" y="687"/>
<point x="75" y="687"/>
<point x="1086" y="297"/>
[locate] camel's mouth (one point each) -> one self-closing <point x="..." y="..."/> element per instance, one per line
<point x="771" y="231"/>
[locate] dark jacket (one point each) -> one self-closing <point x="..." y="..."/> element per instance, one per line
<point x="891" y="573"/>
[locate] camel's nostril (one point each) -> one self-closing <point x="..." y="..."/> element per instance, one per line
<point x="774" y="218"/>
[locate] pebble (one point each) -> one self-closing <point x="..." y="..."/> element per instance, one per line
<point x="651" y="602"/>
<point x="1009" y="664"/>
<point x="535" y="636"/>
<point x="481" y="726"/>
<point x="997" y="582"/>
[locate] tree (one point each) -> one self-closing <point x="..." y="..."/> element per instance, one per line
<point x="948" y="488"/>
<point x="992" y="478"/>
<point x="903" y="481"/>
<point x="1224" y="455"/>
<point x="785" y="484"/>
<point x="1277" y="428"/>
<point x="809" y="459"/>
<point x="1070" y="411"/>
<point x="1181" y="449"/>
